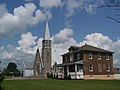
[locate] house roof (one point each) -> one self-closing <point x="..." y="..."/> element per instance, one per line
<point x="69" y="63"/>
<point x="87" y="47"/>
<point x="92" y="48"/>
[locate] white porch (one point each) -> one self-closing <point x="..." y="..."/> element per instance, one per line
<point x="75" y="69"/>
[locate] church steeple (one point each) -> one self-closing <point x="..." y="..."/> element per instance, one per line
<point x="46" y="51"/>
<point x="47" y="34"/>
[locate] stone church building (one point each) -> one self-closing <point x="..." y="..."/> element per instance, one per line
<point x="42" y="64"/>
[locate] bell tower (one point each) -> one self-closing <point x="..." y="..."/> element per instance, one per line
<point x="46" y="50"/>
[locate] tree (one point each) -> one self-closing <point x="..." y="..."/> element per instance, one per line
<point x="112" y="4"/>
<point x="11" y="70"/>
<point x="0" y="67"/>
<point x="11" y="67"/>
<point x="1" y="82"/>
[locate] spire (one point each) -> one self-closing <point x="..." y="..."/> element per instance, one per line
<point x="47" y="34"/>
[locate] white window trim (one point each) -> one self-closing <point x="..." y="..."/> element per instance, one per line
<point x="108" y="68"/>
<point x="99" y="56"/>
<point x="90" y="55"/>
<point x="107" y="57"/>
<point x="91" y="67"/>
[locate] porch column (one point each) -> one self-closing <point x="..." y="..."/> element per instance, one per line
<point x="63" y="69"/>
<point x="67" y="70"/>
<point x="63" y="72"/>
<point x="75" y="71"/>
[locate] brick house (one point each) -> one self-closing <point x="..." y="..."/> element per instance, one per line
<point x="87" y="62"/>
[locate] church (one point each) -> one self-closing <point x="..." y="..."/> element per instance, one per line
<point x="42" y="64"/>
<point x="44" y="57"/>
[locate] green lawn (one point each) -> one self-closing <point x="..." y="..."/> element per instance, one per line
<point x="62" y="84"/>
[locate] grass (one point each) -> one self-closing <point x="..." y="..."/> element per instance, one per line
<point x="62" y="84"/>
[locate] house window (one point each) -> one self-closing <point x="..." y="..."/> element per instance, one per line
<point x="99" y="56"/>
<point x="90" y="55"/>
<point x="91" y="68"/>
<point x="71" y="68"/>
<point x="108" y="68"/>
<point x="107" y="56"/>
<point x="71" y="57"/>
<point x="71" y="50"/>
<point x="78" y="56"/>
<point x="66" y="59"/>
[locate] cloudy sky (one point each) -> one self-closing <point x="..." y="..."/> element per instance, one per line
<point x="71" y="22"/>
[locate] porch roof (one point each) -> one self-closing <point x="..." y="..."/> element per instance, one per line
<point x="69" y="63"/>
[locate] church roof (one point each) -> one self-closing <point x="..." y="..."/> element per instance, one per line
<point x="47" y="33"/>
<point x="38" y="59"/>
<point x="29" y="66"/>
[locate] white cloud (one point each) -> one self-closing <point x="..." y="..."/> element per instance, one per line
<point x="26" y="42"/>
<point x="6" y="55"/>
<point x="72" y="6"/>
<point x="10" y="53"/>
<point x="91" y="9"/>
<point x="64" y="38"/>
<point x="48" y="4"/>
<point x="97" y="39"/>
<point x="3" y="10"/>
<point x="56" y="54"/>
<point x="21" y="18"/>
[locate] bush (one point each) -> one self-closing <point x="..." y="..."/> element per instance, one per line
<point x="48" y="75"/>
<point x="57" y="76"/>
<point x="54" y="76"/>
<point x="1" y="81"/>
<point x="67" y="77"/>
<point x="51" y="76"/>
<point x="1" y="77"/>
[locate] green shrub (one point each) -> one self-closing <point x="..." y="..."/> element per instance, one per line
<point x="57" y="76"/>
<point x="1" y="81"/>
<point x="48" y="75"/>
<point x="1" y="77"/>
<point x="51" y="76"/>
<point x="69" y="77"/>
<point x="54" y="76"/>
